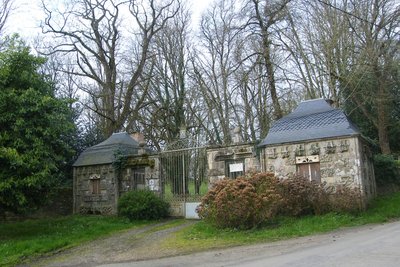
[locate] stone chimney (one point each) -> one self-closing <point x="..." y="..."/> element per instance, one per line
<point x="330" y="102"/>
<point x="139" y="137"/>
<point x="142" y="148"/>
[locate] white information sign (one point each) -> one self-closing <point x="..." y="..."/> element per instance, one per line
<point x="236" y="167"/>
<point x="152" y="185"/>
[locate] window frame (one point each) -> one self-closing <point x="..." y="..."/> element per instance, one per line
<point x="95" y="185"/>
<point x="137" y="178"/>
<point x="310" y="171"/>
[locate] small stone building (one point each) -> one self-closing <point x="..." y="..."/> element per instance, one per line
<point x="319" y="142"/>
<point x="105" y="171"/>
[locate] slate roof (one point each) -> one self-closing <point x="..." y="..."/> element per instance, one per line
<point x="104" y="153"/>
<point x="312" y="119"/>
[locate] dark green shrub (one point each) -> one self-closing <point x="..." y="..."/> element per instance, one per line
<point x="142" y="205"/>
<point x="387" y="170"/>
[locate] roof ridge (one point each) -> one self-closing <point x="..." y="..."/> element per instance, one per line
<point x="306" y="115"/>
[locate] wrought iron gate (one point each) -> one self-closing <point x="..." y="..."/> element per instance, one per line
<point x="183" y="177"/>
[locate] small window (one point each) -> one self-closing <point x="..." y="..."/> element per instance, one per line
<point x="94" y="186"/>
<point x="310" y="171"/>
<point x="138" y="178"/>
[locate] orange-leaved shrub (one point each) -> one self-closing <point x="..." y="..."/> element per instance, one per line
<point x="345" y="199"/>
<point x="242" y="203"/>
<point x="248" y="202"/>
<point x="302" y="197"/>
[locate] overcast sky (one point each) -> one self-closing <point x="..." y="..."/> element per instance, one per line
<point x="26" y="17"/>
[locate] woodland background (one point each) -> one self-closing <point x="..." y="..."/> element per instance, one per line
<point x="103" y="66"/>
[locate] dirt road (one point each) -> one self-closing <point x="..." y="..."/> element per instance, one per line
<point x="373" y="245"/>
<point x="377" y="245"/>
<point x="137" y="244"/>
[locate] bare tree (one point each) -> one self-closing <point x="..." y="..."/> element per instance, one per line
<point x="6" y="7"/>
<point x="169" y="102"/>
<point x="298" y="64"/>
<point x="257" y="108"/>
<point x="111" y="50"/>
<point x="352" y="55"/>
<point x="375" y="25"/>
<point x="215" y="66"/>
<point x="264" y="16"/>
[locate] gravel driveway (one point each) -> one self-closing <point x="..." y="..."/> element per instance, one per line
<point x="370" y="245"/>
<point x="366" y="246"/>
<point x="133" y="245"/>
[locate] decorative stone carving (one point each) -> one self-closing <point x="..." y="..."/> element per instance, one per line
<point x="94" y="176"/>
<point x="344" y="146"/>
<point x="346" y="180"/>
<point x="83" y="210"/>
<point x="224" y="155"/>
<point x="330" y="148"/>
<point x="271" y="153"/>
<point x="327" y="172"/>
<point x="314" y="150"/>
<point x="285" y="152"/>
<point x="107" y="210"/>
<point x="308" y="159"/>
<point x="300" y="151"/>
<point x="271" y="168"/>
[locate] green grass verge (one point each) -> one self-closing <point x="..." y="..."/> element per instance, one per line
<point x="191" y="188"/>
<point x="203" y="236"/>
<point x="23" y="240"/>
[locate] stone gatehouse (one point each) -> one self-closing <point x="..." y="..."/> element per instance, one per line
<point x="316" y="141"/>
<point x="105" y="171"/>
<point x="319" y="142"/>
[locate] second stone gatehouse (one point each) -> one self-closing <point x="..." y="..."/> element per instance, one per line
<point x="319" y="142"/>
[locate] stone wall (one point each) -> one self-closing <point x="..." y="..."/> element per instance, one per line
<point x="151" y="173"/>
<point x="220" y="157"/>
<point x="343" y="161"/>
<point x="84" y="200"/>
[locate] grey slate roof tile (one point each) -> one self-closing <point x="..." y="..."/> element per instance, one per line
<point x="312" y="119"/>
<point x="104" y="153"/>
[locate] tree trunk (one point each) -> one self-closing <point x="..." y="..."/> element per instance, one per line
<point x="382" y="119"/>
<point x="271" y="79"/>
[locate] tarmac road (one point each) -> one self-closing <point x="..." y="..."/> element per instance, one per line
<point x="372" y="245"/>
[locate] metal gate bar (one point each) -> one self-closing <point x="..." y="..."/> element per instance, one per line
<point x="183" y="177"/>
